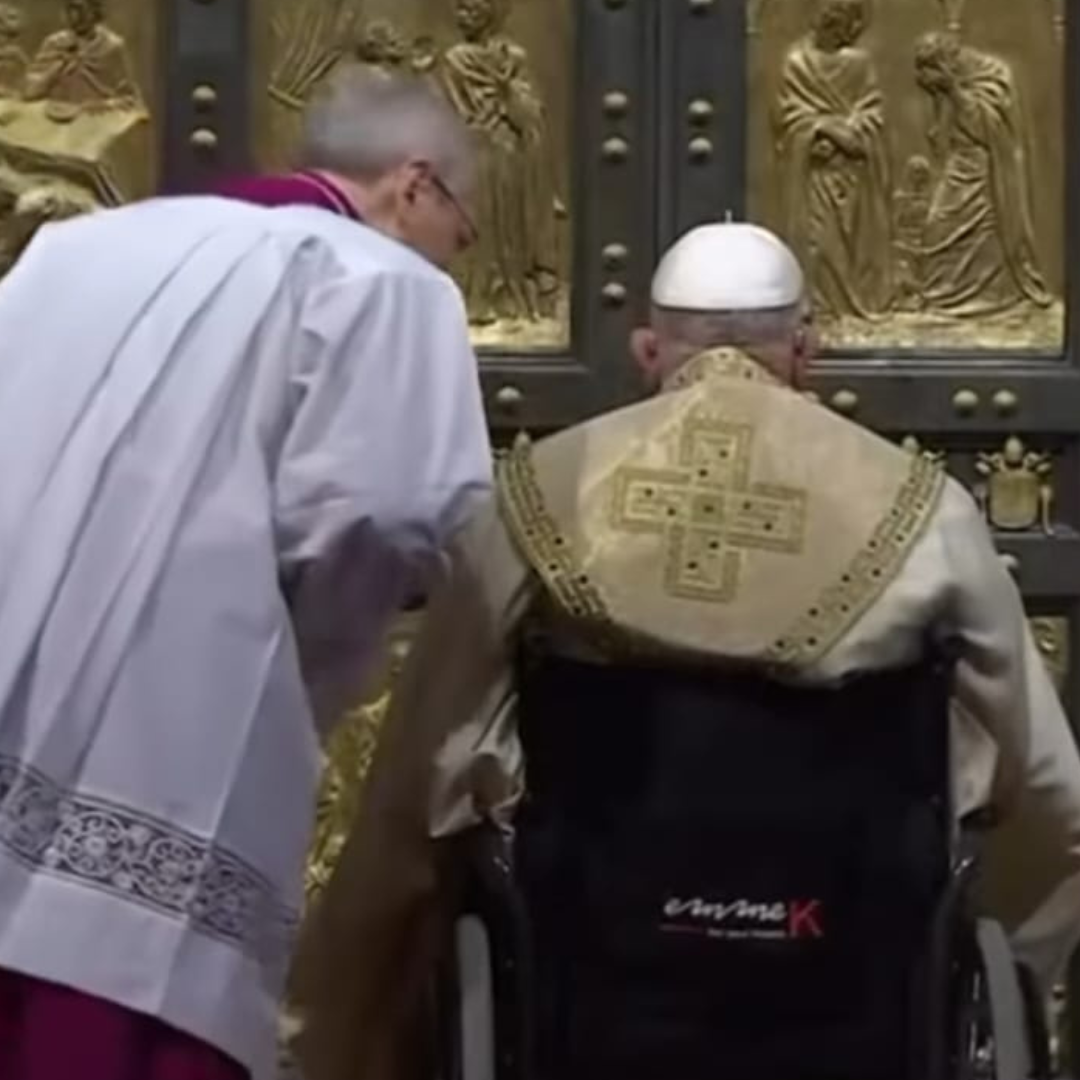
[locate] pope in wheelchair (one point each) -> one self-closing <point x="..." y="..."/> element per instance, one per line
<point x="724" y="753"/>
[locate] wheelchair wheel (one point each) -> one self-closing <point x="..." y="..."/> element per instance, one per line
<point x="465" y="1006"/>
<point x="992" y="1025"/>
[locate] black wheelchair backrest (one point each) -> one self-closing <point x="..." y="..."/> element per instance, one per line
<point x="730" y="877"/>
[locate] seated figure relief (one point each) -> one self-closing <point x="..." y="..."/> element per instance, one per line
<point x="71" y="122"/>
<point x="83" y="68"/>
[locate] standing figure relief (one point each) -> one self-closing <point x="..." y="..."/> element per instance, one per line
<point x="979" y="243"/>
<point x="513" y="272"/>
<point x="830" y="120"/>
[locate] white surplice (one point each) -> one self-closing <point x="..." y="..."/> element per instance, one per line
<point x="208" y="411"/>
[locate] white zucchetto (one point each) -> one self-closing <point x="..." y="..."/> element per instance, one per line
<point x="731" y="266"/>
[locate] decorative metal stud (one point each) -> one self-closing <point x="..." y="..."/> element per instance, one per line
<point x="1006" y="403"/>
<point x="616" y="104"/>
<point x="204" y="96"/>
<point x="700" y="111"/>
<point x="701" y="149"/>
<point x="615" y="256"/>
<point x="204" y="138"/>
<point x="614" y="294"/>
<point x="509" y="397"/>
<point x="965" y="402"/>
<point x="616" y="150"/>
<point x="845" y="402"/>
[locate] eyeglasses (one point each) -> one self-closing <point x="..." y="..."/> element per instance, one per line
<point x="470" y="225"/>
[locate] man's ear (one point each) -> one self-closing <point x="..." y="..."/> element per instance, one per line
<point x="413" y="176"/>
<point x="800" y="358"/>
<point x="645" y="348"/>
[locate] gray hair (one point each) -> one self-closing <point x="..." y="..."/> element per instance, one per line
<point x="366" y="123"/>
<point x="687" y="333"/>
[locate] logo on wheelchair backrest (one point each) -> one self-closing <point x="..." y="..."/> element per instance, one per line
<point x="735" y="920"/>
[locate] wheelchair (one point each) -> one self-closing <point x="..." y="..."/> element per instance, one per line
<point x="718" y="876"/>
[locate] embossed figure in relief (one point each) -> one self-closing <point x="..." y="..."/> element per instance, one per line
<point x="382" y="47"/>
<point x="979" y="254"/>
<point x="830" y="120"/>
<point x="70" y="122"/>
<point x="13" y="58"/>
<point x="512" y="272"/>
<point x="84" y="67"/>
<point x="911" y="209"/>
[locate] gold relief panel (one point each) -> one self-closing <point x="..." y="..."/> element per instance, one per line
<point x="74" y="111"/>
<point x="506" y="66"/>
<point x="931" y="130"/>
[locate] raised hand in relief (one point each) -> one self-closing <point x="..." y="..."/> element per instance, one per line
<point x="830" y="127"/>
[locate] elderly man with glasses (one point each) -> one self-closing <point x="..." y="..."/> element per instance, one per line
<point x="238" y="440"/>
<point x="387" y="151"/>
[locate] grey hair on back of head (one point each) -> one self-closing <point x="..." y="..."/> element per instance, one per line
<point x="364" y="124"/>
<point x="690" y="332"/>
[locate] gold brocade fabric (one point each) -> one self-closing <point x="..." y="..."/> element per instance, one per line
<point x="349" y="754"/>
<point x="727" y="516"/>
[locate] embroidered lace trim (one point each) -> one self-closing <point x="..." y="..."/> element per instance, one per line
<point x="549" y="553"/>
<point x="844" y="602"/>
<point x="134" y="857"/>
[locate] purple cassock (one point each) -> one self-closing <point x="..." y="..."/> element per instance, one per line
<point x="288" y="189"/>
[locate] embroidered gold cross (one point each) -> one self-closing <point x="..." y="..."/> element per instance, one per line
<point x="707" y="510"/>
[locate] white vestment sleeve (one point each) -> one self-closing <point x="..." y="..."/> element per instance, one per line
<point x="1032" y="871"/>
<point x="386" y="455"/>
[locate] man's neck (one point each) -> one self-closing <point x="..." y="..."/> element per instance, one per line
<point x="721" y="362"/>
<point x="354" y="193"/>
<point x="362" y="198"/>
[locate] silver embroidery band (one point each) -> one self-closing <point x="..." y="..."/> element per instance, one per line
<point x="135" y="857"/>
